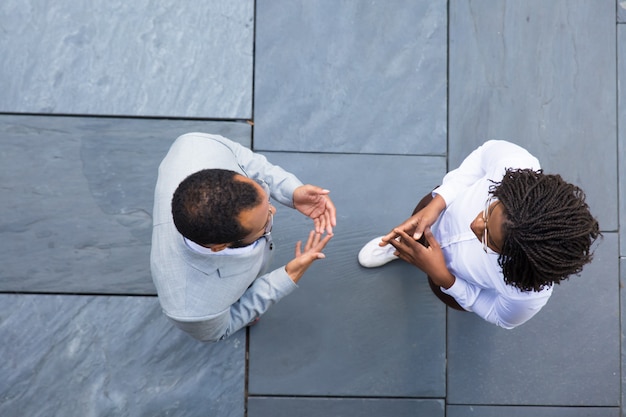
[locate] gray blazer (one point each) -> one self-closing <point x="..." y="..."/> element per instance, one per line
<point x="213" y="296"/>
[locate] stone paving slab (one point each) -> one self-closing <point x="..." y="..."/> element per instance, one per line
<point x="499" y="411"/>
<point x="78" y="196"/>
<point x="351" y="76"/>
<point x="349" y="331"/>
<point x="622" y="282"/>
<point x="343" y="407"/>
<point x="621" y="142"/>
<point x="621" y="11"/>
<point x="540" y="74"/>
<point x="128" y="58"/>
<point x="111" y="356"/>
<point x="567" y="355"/>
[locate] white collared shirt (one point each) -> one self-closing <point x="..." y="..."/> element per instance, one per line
<point x="227" y="251"/>
<point x="479" y="284"/>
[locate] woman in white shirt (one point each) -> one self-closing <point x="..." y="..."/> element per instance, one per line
<point x="495" y="236"/>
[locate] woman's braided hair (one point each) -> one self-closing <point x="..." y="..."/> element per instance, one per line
<point x="548" y="229"/>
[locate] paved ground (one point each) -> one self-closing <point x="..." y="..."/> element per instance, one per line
<point x="375" y="100"/>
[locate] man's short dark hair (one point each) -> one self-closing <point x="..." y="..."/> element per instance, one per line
<point x="207" y="204"/>
<point x="548" y="229"/>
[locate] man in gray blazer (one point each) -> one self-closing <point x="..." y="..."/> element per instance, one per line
<point x="211" y="241"/>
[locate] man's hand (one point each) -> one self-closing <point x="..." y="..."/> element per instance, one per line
<point x="429" y="259"/>
<point x="312" y="252"/>
<point x="314" y="202"/>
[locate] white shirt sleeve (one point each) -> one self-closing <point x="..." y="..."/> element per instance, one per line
<point x="506" y="312"/>
<point x="491" y="159"/>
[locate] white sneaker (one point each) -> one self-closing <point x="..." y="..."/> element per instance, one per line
<point x="372" y="255"/>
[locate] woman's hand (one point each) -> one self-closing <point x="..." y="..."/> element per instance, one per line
<point x="429" y="259"/>
<point x="420" y="221"/>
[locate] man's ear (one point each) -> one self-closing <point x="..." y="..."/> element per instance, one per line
<point x="218" y="247"/>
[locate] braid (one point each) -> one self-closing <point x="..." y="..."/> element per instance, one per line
<point x="548" y="231"/>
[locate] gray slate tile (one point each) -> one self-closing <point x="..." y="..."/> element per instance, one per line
<point x="351" y="76"/>
<point x="77" y="211"/>
<point x="568" y="354"/>
<point x="622" y="263"/>
<point x="621" y="143"/>
<point x="542" y="75"/>
<point x="120" y="58"/>
<point x="343" y="407"/>
<point x="509" y="411"/>
<point x="111" y="356"/>
<point x="349" y="331"/>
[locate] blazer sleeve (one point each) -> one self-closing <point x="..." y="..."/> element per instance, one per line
<point x="254" y="165"/>
<point x="266" y="291"/>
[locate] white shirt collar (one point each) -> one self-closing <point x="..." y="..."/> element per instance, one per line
<point x="228" y="251"/>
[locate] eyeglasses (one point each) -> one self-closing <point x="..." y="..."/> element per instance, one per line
<point x="270" y="221"/>
<point x="486" y="247"/>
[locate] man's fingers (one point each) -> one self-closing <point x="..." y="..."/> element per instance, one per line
<point x="314" y="245"/>
<point x="326" y="239"/>
<point x="317" y="223"/>
<point x="328" y="223"/>
<point x="321" y="244"/>
<point x="310" y="241"/>
<point x="325" y="222"/>
<point x="332" y="212"/>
